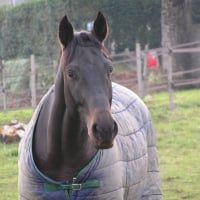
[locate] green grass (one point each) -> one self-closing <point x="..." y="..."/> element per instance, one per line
<point x="9" y="156"/>
<point x="8" y="171"/>
<point x="178" y="136"/>
<point x="20" y="115"/>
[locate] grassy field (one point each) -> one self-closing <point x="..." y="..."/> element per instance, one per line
<point x="178" y="135"/>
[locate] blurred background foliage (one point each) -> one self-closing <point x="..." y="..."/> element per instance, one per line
<point x="196" y="13"/>
<point x="31" y="28"/>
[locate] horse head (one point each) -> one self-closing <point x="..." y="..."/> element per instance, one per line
<point x="86" y="70"/>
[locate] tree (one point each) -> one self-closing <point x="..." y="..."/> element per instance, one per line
<point x="175" y="23"/>
<point x="32" y="28"/>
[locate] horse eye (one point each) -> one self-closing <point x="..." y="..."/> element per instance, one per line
<point x="71" y="73"/>
<point x="110" y="69"/>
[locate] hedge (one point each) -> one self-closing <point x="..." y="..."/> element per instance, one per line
<point x="31" y="28"/>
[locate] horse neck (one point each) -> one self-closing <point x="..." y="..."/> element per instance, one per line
<point x="68" y="141"/>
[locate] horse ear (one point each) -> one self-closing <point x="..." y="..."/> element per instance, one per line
<point x="100" y="28"/>
<point x="65" y="32"/>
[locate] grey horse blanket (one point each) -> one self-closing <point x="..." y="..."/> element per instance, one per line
<point x="128" y="171"/>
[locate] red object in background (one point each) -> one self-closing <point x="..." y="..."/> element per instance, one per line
<point x="151" y="60"/>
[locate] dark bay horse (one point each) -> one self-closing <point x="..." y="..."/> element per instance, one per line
<point x="76" y="146"/>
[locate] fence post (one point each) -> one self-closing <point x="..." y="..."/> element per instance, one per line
<point x="4" y="92"/>
<point x="170" y="81"/>
<point x="139" y="69"/>
<point x="3" y="86"/>
<point x="145" y="70"/>
<point x="33" y="83"/>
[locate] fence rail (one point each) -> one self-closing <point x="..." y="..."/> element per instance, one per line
<point x="131" y="70"/>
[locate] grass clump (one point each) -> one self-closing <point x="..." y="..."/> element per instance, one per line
<point x="19" y="115"/>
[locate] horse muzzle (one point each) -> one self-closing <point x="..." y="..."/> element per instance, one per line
<point x="104" y="131"/>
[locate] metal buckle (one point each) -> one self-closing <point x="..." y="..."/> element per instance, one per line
<point x="76" y="186"/>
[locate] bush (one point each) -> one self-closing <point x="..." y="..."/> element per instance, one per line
<point x="31" y="28"/>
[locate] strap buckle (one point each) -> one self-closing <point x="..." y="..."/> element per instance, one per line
<point x="76" y="186"/>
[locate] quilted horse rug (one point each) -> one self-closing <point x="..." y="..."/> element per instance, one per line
<point x="128" y="171"/>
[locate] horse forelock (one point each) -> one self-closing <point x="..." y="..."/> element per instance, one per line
<point x="84" y="39"/>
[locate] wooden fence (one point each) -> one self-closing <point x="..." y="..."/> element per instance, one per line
<point x="166" y="78"/>
<point x="130" y="69"/>
<point x="31" y="92"/>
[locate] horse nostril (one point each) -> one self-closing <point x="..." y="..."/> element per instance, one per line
<point x="115" y="128"/>
<point x="95" y="128"/>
